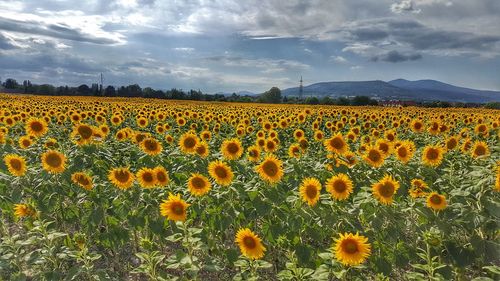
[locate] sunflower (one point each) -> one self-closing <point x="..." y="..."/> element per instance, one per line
<point x="270" y="145"/>
<point x="351" y="249"/>
<point x="36" y="127"/>
<point x="417" y="126"/>
<point x="82" y="179"/>
<point x="25" y="142"/>
<point x="451" y="143"/>
<point x="202" y="149"/>
<point x="310" y="191"/>
<point x="432" y="155"/>
<point x="161" y="175"/>
<point x="253" y="153"/>
<point x="418" y="188"/>
<point x="270" y="169"/>
<point x="385" y="189"/>
<point x="340" y="186"/>
<point x="121" y="178"/>
<point x="374" y="157"/>
<point x="294" y="151"/>
<point x="198" y="184"/>
<point x="497" y="180"/>
<point x="83" y="133"/>
<point x="147" y="178"/>
<point x="220" y="172"/>
<point x="436" y="201"/>
<point x="188" y="142"/>
<point x="174" y="208"/>
<point x="23" y="210"/>
<point x="349" y="159"/>
<point x="384" y="146"/>
<point x="404" y="152"/>
<point x="53" y="161"/>
<point x="250" y="244"/>
<point x="151" y="146"/>
<point x="480" y="148"/>
<point x="336" y="144"/>
<point x="231" y="149"/>
<point x="16" y="164"/>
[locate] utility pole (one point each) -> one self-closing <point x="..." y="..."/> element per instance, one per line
<point x="301" y="88"/>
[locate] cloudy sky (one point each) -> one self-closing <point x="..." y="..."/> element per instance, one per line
<point x="223" y="45"/>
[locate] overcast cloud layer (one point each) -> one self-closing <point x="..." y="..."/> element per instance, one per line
<point x="222" y="45"/>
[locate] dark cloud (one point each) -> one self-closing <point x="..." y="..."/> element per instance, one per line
<point x="51" y="30"/>
<point x="395" y="56"/>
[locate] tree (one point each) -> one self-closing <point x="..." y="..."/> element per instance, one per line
<point x="271" y="96"/>
<point x="109" y="91"/>
<point x="11" y="83"/>
<point x="84" y="90"/>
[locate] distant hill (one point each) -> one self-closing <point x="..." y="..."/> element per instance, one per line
<point x="240" y="93"/>
<point x="422" y="90"/>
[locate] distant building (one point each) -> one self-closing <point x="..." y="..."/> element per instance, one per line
<point x="396" y="103"/>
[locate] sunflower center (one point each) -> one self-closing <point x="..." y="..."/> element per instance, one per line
<point x="374" y="155"/>
<point x="201" y="149"/>
<point x="402" y="152"/>
<point x="311" y="192"/>
<point x="418" y="125"/>
<point x="36" y="127"/>
<point x="480" y="150"/>
<point x="26" y="143"/>
<point x="270" y="145"/>
<point x="221" y="172"/>
<point x="384" y="147"/>
<point x="189" y="142"/>
<point x="178" y="209"/>
<point x="54" y="160"/>
<point x="249" y="242"/>
<point x="16" y="164"/>
<point x="122" y="176"/>
<point x="148" y="177"/>
<point x="85" y="132"/>
<point x="339" y="186"/>
<point x="386" y="189"/>
<point x="337" y="143"/>
<point x="161" y="176"/>
<point x="233" y="148"/>
<point x="252" y="153"/>
<point x="151" y="145"/>
<point x="198" y="183"/>
<point x="349" y="246"/>
<point x="270" y="168"/>
<point x="435" y="199"/>
<point x="452" y="143"/>
<point x="432" y="154"/>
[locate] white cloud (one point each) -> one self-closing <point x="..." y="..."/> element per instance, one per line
<point x="338" y="59"/>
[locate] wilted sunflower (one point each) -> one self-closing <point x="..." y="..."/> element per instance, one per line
<point x="351" y="249"/>
<point x="336" y="144"/>
<point x="432" y="155"/>
<point x="220" y="172"/>
<point x="174" y="208"/>
<point x="82" y="179"/>
<point x="385" y="189"/>
<point x="53" y="161"/>
<point x="161" y="175"/>
<point x="36" y="127"/>
<point x="310" y="191"/>
<point x="198" y="184"/>
<point x="23" y="210"/>
<point x="374" y="157"/>
<point x="270" y="169"/>
<point x="339" y="186"/>
<point x="188" y="142"/>
<point x="146" y="178"/>
<point x="480" y="148"/>
<point x="16" y="164"/>
<point x="121" y="178"/>
<point x="250" y="244"/>
<point x="231" y="149"/>
<point x="151" y="146"/>
<point x="418" y="188"/>
<point x="436" y="201"/>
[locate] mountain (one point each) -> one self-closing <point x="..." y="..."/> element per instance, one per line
<point x="240" y="93"/>
<point x="422" y="90"/>
<point x="435" y="90"/>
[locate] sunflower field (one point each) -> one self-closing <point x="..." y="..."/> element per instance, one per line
<point x="142" y="189"/>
